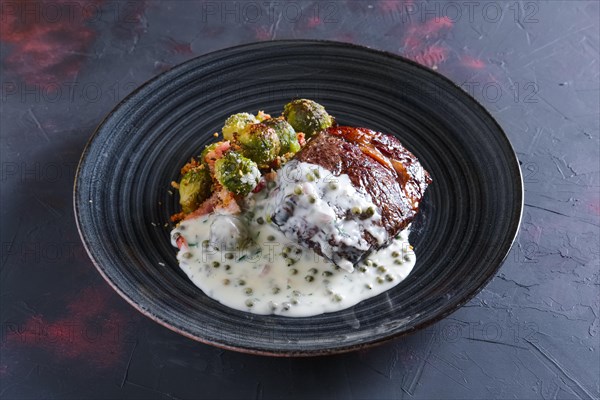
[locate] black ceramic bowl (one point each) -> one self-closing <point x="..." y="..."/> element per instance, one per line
<point x="469" y="219"/>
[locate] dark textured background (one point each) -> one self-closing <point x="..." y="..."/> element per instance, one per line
<point x="533" y="333"/>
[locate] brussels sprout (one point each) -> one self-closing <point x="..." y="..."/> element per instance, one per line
<point x="194" y="188"/>
<point x="236" y="123"/>
<point x="287" y="136"/>
<point x="237" y="173"/>
<point x="307" y="116"/>
<point x="259" y="143"/>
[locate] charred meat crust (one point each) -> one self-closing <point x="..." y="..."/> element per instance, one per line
<point x="377" y="164"/>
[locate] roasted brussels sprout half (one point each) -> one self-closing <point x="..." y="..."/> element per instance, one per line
<point x="307" y="116"/>
<point x="194" y="188"/>
<point x="259" y="143"/>
<point x="288" y="139"/>
<point x="237" y="173"/>
<point x="236" y="123"/>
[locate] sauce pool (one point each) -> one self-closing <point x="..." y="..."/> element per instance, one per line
<point x="269" y="273"/>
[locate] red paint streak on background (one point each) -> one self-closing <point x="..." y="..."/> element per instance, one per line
<point x="472" y="62"/>
<point x="313" y="22"/>
<point x="431" y="56"/>
<point x="262" y="33"/>
<point x="417" y="37"/>
<point x="178" y="47"/>
<point x="417" y="33"/>
<point x="394" y="5"/>
<point x="49" y="39"/>
<point x="345" y="37"/>
<point x="434" y="25"/>
<point x="91" y="331"/>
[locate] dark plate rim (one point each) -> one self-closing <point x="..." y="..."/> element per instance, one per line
<point x="320" y="352"/>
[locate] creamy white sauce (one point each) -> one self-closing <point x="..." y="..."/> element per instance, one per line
<point x="270" y="273"/>
<point x="321" y="208"/>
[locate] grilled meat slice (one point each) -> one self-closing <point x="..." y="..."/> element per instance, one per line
<point x="378" y="165"/>
<point x="377" y="194"/>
